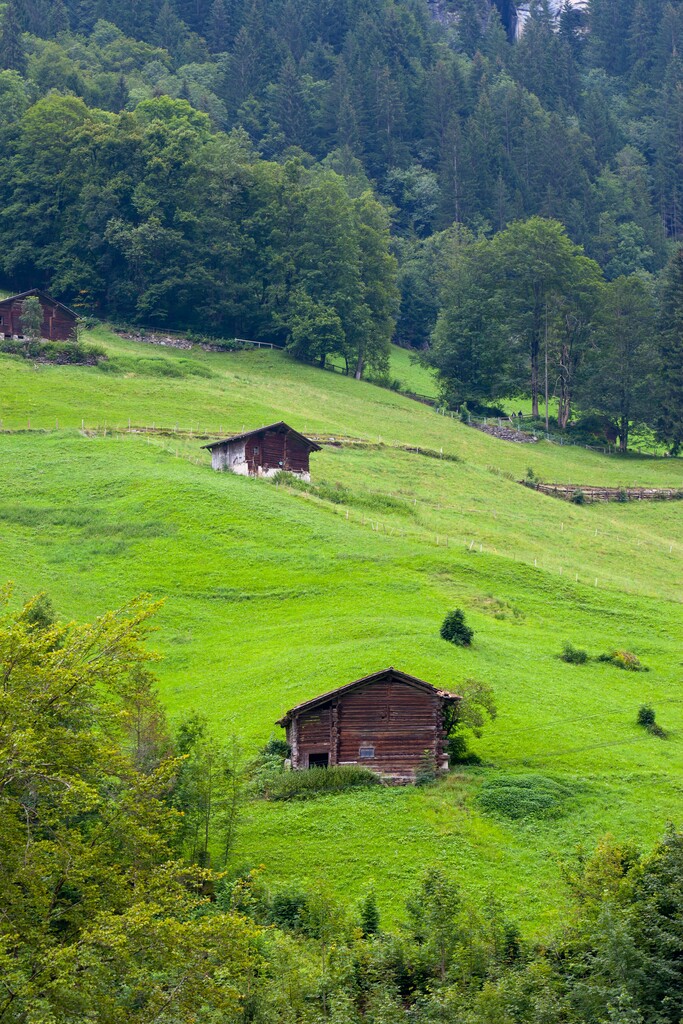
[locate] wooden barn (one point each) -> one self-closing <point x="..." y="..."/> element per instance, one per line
<point x="385" y="721"/>
<point x="264" y="452"/>
<point x="59" y="322"/>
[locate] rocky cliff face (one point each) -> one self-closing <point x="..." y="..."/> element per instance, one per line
<point x="514" y="13"/>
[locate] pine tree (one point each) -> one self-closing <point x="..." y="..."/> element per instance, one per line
<point x="57" y="19"/>
<point x="670" y="422"/>
<point x="12" y="53"/>
<point x="218" y="32"/>
<point x="169" y="29"/>
<point x="121" y="95"/>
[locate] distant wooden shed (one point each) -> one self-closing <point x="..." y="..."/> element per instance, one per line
<point x="264" y="452"/>
<point x="59" y="322"/>
<point x="385" y="722"/>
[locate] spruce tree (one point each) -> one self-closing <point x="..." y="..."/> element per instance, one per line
<point x="12" y="53"/>
<point x="218" y="30"/>
<point x="57" y="19"/>
<point x="670" y="421"/>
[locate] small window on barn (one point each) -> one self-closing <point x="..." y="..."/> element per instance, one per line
<point x="366" y="752"/>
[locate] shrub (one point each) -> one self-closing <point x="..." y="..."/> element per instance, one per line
<point x="524" y="796"/>
<point x="646" y="718"/>
<point x="622" y="495"/>
<point x="579" y="498"/>
<point x="369" y="914"/>
<point x="573" y="655"/>
<point x="278" y="747"/>
<point x="427" y="770"/>
<point x="623" y="659"/>
<point x="455" y="629"/>
<point x="306" y="785"/>
<point x="288" y="909"/>
<point x="469" y="715"/>
<point x="60" y="352"/>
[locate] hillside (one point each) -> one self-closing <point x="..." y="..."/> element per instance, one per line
<point x="273" y="595"/>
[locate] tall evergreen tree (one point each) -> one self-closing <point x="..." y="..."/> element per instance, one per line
<point x="670" y="420"/>
<point x="12" y="52"/>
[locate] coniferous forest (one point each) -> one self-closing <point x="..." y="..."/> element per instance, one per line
<point x="332" y="176"/>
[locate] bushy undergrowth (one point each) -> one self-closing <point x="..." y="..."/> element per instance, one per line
<point x="574" y="655"/>
<point x="60" y="352"/>
<point x="623" y="659"/>
<point x="524" y="796"/>
<point x="620" y="659"/>
<point x="151" y="366"/>
<point x="647" y="718"/>
<point x="305" y="785"/>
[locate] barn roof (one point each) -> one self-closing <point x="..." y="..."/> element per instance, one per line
<point x="281" y="426"/>
<point x="402" y="677"/>
<point x="42" y="295"/>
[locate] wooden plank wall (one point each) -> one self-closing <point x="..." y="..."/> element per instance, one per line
<point x="398" y="720"/>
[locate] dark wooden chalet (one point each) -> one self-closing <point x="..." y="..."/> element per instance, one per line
<point x="264" y="452"/>
<point x="59" y="322"/>
<point x="385" y="722"/>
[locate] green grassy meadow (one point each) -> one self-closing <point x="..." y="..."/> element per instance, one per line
<point x="272" y="595"/>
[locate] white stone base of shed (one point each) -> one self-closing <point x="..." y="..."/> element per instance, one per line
<point x="242" y="469"/>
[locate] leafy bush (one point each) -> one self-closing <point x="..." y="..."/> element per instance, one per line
<point x="579" y="498"/>
<point x="288" y="909"/>
<point x="469" y="715"/>
<point x="524" y="796"/>
<point x="427" y="770"/>
<point x="278" y="747"/>
<point x="574" y="655"/>
<point x="455" y="629"/>
<point x="647" y="718"/>
<point x="623" y="659"/>
<point x="306" y="785"/>
<point x="60" y="352"/>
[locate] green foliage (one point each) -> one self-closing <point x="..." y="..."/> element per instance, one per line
<point x="32" y="318"/>
<point x="307" y="785"/>
<point x="525" y="796"/>
<point x="369" y="914"/>
<point x="670" y="419"/>
<point x="455" y="629"/>
<point x="620" y="374"/>
<point x="81" y="817"/>
<point x="59" y="352"/>
<point x="427" y="770"/>
<point x="574" y="655"/>
<point x="646" y="716"/>
<point x="578" y="497"/>
<point x="467" y="718"/>
<point x="623" y="659"/>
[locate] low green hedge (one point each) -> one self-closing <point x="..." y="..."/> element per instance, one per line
<point x="304" y="785"/>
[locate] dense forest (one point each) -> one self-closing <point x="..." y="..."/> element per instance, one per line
<point x="332" y="175"/>
<point x="111" y="911"/>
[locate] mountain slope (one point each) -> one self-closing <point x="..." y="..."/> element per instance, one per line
<point x="272" y="596"/>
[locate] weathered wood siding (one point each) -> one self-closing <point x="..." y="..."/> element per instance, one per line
<point x="391" y="720"/>
<point x="58" y="325"/>
<point x="275" y="450"/>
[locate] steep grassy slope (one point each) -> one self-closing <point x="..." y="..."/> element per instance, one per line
<point x="273" y="596"/>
